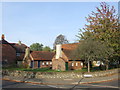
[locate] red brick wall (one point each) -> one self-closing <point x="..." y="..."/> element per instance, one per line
<point x="75" y="65"/>
<point x="46" y="64"/>
<point x="61" y="62"/>
<point x="35" y="64"/>
<point x="58" y="64"/>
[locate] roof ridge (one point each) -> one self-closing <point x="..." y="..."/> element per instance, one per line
<point x="70" y="43"/>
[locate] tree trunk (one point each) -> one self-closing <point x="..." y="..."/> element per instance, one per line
<point x="107" y="64"/>
<point x="88" y="66"/>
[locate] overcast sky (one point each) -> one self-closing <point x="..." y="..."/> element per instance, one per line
<point x="42" y="22"/>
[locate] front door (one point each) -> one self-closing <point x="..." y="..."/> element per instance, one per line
<point x="31" y="64"/>
<point x="38" y="64"/>
<point x="66" y="65"/>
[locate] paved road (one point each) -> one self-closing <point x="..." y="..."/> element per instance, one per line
<point x="110" y="84"/>
<point x="11" y="84"/>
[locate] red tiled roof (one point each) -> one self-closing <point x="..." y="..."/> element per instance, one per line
<point x="8" y="52"/>
<point x="69" y="48"/>
<point x="19" y="48"/>
<point x="42" y="55"/>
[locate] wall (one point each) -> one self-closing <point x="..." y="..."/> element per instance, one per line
<point x="58" y="64"/>
<point x="75" y="65"/>
<point x="39" y="75"/>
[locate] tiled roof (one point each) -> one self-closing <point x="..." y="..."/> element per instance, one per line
<point x="42" y="55"/>
<point x="19" y="48"/>
<point x="3" y="41"/>
<point x="68" y="49"/>
<point x="70" y="46"/>
<point x="8" y="52"/>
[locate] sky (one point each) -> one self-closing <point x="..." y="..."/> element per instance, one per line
<point x="42" y="22"/>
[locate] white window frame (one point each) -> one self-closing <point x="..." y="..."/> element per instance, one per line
<point x="76" y="64"/>
<point x="81" y="63"/>
<point x="17" y="54"/>
<point x="50" y="63"/>
<point x="43" y="63"/>
<point x="47" y="63"/>
<point x="72" y="64"/>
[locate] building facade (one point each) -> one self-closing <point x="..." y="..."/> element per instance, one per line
<point x="63" y="59"/>
<point x="38" y="59"/>
<point x="9" y="52"/>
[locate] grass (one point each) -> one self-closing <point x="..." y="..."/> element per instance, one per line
<point x="50" y="70"/>
<point x="33" y="70"/>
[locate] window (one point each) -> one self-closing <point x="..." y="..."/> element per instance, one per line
<point x="81" y="64"/>
<point x="43" y="63"/>
<point x="76" y="64"/>
<point x="47" y="63"/>
<point x="17" y="54"/>
<point x="72" y="64"/>
<point x="50" y="62"/>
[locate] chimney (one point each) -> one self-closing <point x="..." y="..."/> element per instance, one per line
<point x="19" y="42"/>
<point x="58" y="51"/>
<point x="27" y="53"/>
<point x="3" y="37"/>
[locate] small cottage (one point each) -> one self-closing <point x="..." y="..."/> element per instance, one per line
<point x="38" y="59"/>
<point x="11" y="52"/>
<point x="63" y="59"/>
<point x="8" y="55"/>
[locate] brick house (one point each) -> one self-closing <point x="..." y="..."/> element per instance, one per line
<point x="20" y="50"/>
<point x="38" y="59"/>
<point x="9" y="52"/>
<point x="63" y="60"/>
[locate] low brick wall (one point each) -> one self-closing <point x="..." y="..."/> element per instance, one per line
<point x="40" y="75"/>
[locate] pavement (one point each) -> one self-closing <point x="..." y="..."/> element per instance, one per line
<point x="67" y="81"/>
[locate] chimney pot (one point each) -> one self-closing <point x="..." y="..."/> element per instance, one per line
<point x="3" y="37"/>
<point x="19" y="42"/>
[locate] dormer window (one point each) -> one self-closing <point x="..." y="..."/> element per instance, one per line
<point x="17" y="54"/>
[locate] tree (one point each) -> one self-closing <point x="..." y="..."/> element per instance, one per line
<point x="103" y="25"/>
<point x="36" y="47"/>
<point x="47" y="48"/>
<point x="61" y="39"/>
<point x="92" y="50"/>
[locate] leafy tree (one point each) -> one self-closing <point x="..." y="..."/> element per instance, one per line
<point x="91" y="50"/>
<point x="103" y="25"/>
<point x="36" y="47"/>
<point x="61" y="39"/>
<point x="47" y="48"/>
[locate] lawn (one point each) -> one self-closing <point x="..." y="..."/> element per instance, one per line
<point x="33" y="70"/>
<point x="50" y="70"/>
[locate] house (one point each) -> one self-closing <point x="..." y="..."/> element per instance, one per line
<point x="63" y="59"/>
<point x="8" y="55"/>
<point x="20" y="50"/>
<point x="38" y="59"/>
<point x="11" y="52"/>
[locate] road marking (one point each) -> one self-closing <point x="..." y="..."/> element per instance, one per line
<point x="52" y="86"/>
<point x="67" y="79"/>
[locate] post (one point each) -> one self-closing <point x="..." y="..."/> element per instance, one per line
<point x="88" y="66"/>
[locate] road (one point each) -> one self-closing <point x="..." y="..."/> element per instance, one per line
<point x="110" y="84"/>
<point x="11" y="84"/>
